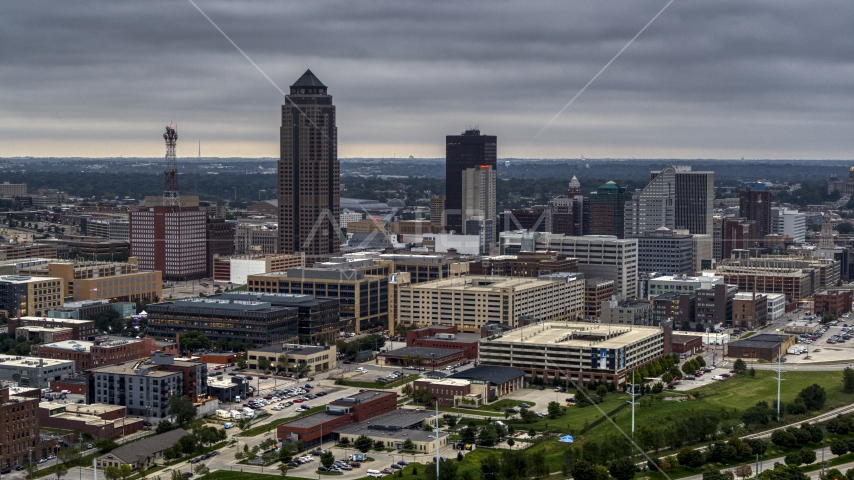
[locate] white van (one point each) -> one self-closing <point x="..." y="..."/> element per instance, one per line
<point x="375" y="473"/>
<point x="362" y="370"/>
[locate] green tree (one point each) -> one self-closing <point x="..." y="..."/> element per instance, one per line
<point x="327" y="459"/>
<point x="511" y="442"/>
<point x="60" y="470"/>
<point x="739" y="366"/>
<point x="833" y="474"/>
<point x="164" y="426"/>
<point x="583" y="470"/>
<point x="848" y="380"/>
<point x="713" y="475"/>
<point x="125" y="471"/>
<point x="752" y="372"/>
<point x="283" y="468"/>
<point x="70" y="456"/>
<point x="813" y="397"/>
<point x="622" y="469"/>
<point x="182" y="408"/>
<point x="105" y="445"/>
<point x="363" y="444"/>
<point x="112" y="473"/>
<point x="379" y="445"/>
<point x="701" y="362"/>
<point x="554" y="410"/>
<point x="263" y="363"/>
<point x="193" y="340"/>
<point x="409" y="445"/>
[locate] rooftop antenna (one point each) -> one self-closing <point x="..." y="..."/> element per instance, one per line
<point x="170" y="173"/>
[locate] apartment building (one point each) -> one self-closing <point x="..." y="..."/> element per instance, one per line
<point x="470" y="302"/>
<point x="577" y="352"/>
<point x="627" y="312"/>
<point x="20" y="416"/>
<point x="98" y="353"/>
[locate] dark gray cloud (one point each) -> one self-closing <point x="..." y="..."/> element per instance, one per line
<point x="763" y="79"/>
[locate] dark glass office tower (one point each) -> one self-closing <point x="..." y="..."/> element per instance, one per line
<point x="468" y="150"/>
<point x="309" y="197"/>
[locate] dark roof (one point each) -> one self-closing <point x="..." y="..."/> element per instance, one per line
<point x="309" y="421"/>
<point x="458" y="337"/>
<point x="435" y="374"/>
<point x="492" y="374"/>
<point x="308" y="79"/>
<point x="684" y="338"/>
<point x="423" y="351"/>
<point x="755" y="186"/>
<point x="147" y="447"/>
<point x="289" y="348"/>
<point x="761" y="341"/>
<point x="362" y="397"/>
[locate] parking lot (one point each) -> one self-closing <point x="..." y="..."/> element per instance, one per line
<point x="821" y="350"/>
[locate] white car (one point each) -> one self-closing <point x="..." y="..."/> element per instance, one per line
<point x="717" y="377"/>
<point x="362" y="370"/>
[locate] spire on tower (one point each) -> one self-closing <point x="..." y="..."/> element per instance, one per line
<point x="170" y="173"/>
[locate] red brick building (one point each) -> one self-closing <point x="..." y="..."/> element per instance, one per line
<point x="80" y="329"/>
<point x="339" y="413"/>
<point x="686" y="344"/>
<point x="444" y="337"/>
<point x="444" y="391"/>
<point x="836" y="302"/>
<point x="98" y="420"/>
<point x="99" y="353"/>
<point x="19" y="415"/>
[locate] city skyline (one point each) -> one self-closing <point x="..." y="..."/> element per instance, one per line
<point x="722" y="80"/>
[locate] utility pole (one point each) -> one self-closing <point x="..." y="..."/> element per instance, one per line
<point x="633" y="407"/>
<point x="437" y="437"/>
<point x="779" y="379"/>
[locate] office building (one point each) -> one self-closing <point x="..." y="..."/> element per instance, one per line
<point x="755" y="204"/>
<point x="561" y="212"/>
<point x="478" y="202"/>
<point x="363" y="298"/>
<point x="833" y="302"/>
<point x="703" y="255"/>
<point x="27" y="250"/>
<point x="470" y="302"/>
<point x="476" y="386"/>
<point x="220" y="241"/>
<point x="29" y="296"/>
<point x="715" y="305"/>
<point x="236" y="268"/>
<point x="575" y="352"/>
<point x="607" y="209"/>
<point x="717" y="238"/>
<point x="98" y="353"/>
<point x="750" y="311"/>
<point x="309" y="193"/>
<point x="680" y="283"/>
<point x="80" y="329"/>
<point x="348" y="216"/>
<point x="394" y="429"/>
<point x="524" y="264"/>
<point x="665" y="251"/>
<point x="117" y="281"/>
<point x="598" y="256"/>
<point x="626" y="312"/>
<point x="535" y="219"/>
<point x="224" y="319"/>
<point x="44" y="334"/>
<point x="695" y="197"/>
<point x="790" y="223"/>
<point x="20" y="416"/>
<point x="596" y="291"/>
<point x="738" y="234"/>
<point x="467" y="150"/>
<point x="776" y="305"/>
<point x="170" y="239"/>
<point x="794" y="282"/>
<point x="109" y="228"/>
<point x="288" y="357"/>
<point x="33" y="372"/>
<point x="436" y="336"/>
<point x="654" y="206"/>
<point x="437" y="210"/>
<point x="251" y="238"/>
<point x="13" y="189"/>
<point x="679" y="308"/>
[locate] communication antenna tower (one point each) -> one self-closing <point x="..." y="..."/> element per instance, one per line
<point x="170" y="173"/>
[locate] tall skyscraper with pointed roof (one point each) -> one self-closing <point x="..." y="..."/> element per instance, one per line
<point x="309" y="196"/>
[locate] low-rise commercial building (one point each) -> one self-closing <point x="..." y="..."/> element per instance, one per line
<point x="33" y="372"/>
<point x="444" y="337"/>
<point x="29" y="296"/>
<point x="492" y="382"/>
<point x="469" y="303"/>
<point x="835" y="302"/>
<point x="338" y="414"/>
<point x="681" y="284"/>
<point x="686" y="345"/>
<point x="626" y="312"/>
<point x="288" y="356"/>
<point x="429" y="357"/>
<point x="761" y="347"/>
<point x="395" y="428"/>
<point x="142" y="453"/>
<point x="98" y="353"/>
<point x="27" y="250"/>
<point x="97" y="420"/>
<point x="44" y="334"/>
<point x="80" y="329"/>
<point x="580" y="352"/>
<point x="229" y="389"/>
<point x="776" y="305"/>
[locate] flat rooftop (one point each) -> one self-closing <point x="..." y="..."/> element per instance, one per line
<point x="289" y="348"/>
<point x="41" y="328"/>
<point x="403" y="434"/>
<point x="310" y="421"/>
<point x="576" y="334"/>
<point x="7" y="361"/>
<point x="458" y="337"/>
<point x="761" y="341"/>
<point x="485" y="284"/>
<point x="73" y="345"/>
<point x="452" y="382"/>
<point x="362" y="397"/>
<point x="127" y="369"/>
<point x="69" y="321"/>
<point x="19" y="279"/>
<point x="425" y="352"/>
<point x="400" y="418"/>
<point x="93" y="409"/>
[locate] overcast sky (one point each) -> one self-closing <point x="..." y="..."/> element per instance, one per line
<point x="708" y="79"/>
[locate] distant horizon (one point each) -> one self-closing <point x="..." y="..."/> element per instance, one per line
<point x="518" y="159"/>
